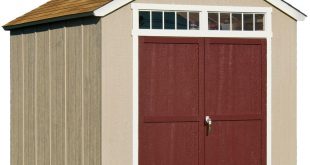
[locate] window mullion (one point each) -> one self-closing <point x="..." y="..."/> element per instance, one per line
<point x="203" y="19"/>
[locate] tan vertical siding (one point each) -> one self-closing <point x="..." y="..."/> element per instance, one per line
<point x="29" y="97"/>
<point x="74" y="88"/>
<point x="56" y="94"/>
<point x="58" y="107"/>
<point x="43" y="96"/>
<point x="92" y="94"/>
<point x="17" y="106"/>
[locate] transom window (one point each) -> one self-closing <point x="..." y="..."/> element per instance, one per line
<point x="236" y="21"/>
<point x="169" y="20"/>
<point x="190" y="20"/>
<point x="201" y="21"/>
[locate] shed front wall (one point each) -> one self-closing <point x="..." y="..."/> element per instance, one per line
<point x="117" y="93"/>
<point x="56" y="98"/>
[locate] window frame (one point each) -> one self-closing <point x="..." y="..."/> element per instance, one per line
<point x="203" y="30"/>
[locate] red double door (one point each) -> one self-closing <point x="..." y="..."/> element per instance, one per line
<point x="184" y="80"/>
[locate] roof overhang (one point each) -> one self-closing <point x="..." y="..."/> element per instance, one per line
<point x="49" y="20"/>
<point x="288" y="9"/>
<point x="110" y="7"/>
<point x="280" y="4"/>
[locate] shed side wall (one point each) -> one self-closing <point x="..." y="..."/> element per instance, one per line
<point x="56" y="94"/>
<point x="117" y="82"/>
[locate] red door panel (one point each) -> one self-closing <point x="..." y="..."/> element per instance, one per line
<point x="182" y="80"/>
<point x="170" y="79"/>
<point x="173" y="143"/>
<point x="171" y="125"/>
<point x="234" y="143"/>
<point x="233" y="77"/>
<point x="235" y="86"/>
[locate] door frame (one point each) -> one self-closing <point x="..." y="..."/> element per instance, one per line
<point x="203" y="32"/>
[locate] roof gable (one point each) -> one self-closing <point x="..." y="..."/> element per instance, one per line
<point x="67" y="9"/>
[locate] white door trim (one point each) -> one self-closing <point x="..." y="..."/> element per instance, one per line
<point x="136" y="32"/>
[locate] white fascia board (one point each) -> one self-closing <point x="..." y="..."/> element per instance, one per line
<point x="289" y="10"/>
<point x="110" y="7"/>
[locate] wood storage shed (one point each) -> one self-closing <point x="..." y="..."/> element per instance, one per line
<point x="164" y="82"/>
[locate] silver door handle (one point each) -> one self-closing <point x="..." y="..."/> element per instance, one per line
<point x="208" y="122"/>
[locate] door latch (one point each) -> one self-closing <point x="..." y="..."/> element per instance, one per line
<point x="208" y="122"/>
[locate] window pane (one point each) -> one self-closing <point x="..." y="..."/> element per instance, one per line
<point x="169" y="20"/>
<point x="248" y="21"/>
<point x="236" y="21"/>
<point x="213" y="21"/>
<point x="193" y="21"/>
<point x="225" y="21"/>
<point x="259" y="22"/>
<point x="144" y="20"/>
<point x="182" y="20"/>
<point x="157" y="20"/>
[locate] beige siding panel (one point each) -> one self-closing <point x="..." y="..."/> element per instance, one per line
<point x="117" y="88"/>
<point x="58" y="106"/>
<point x="74" y="94"/>
<point x="16" y="99"/>
<point x="43" y="96"/>
<point x="92" y="92"/>
<point x="29" y="97"/>
<point x="284" y="61"/>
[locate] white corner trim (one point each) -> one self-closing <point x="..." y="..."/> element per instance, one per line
<point x="110" y="7"/>
<point x="289" y="10"/>
<point x="269" y="101"/>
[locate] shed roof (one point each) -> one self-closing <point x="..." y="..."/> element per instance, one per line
<point x="56" y="10"/>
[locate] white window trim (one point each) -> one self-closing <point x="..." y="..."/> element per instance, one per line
<point x="203" y="32"/>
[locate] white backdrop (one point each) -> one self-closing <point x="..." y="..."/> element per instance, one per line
<point x="13" y="8"/>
